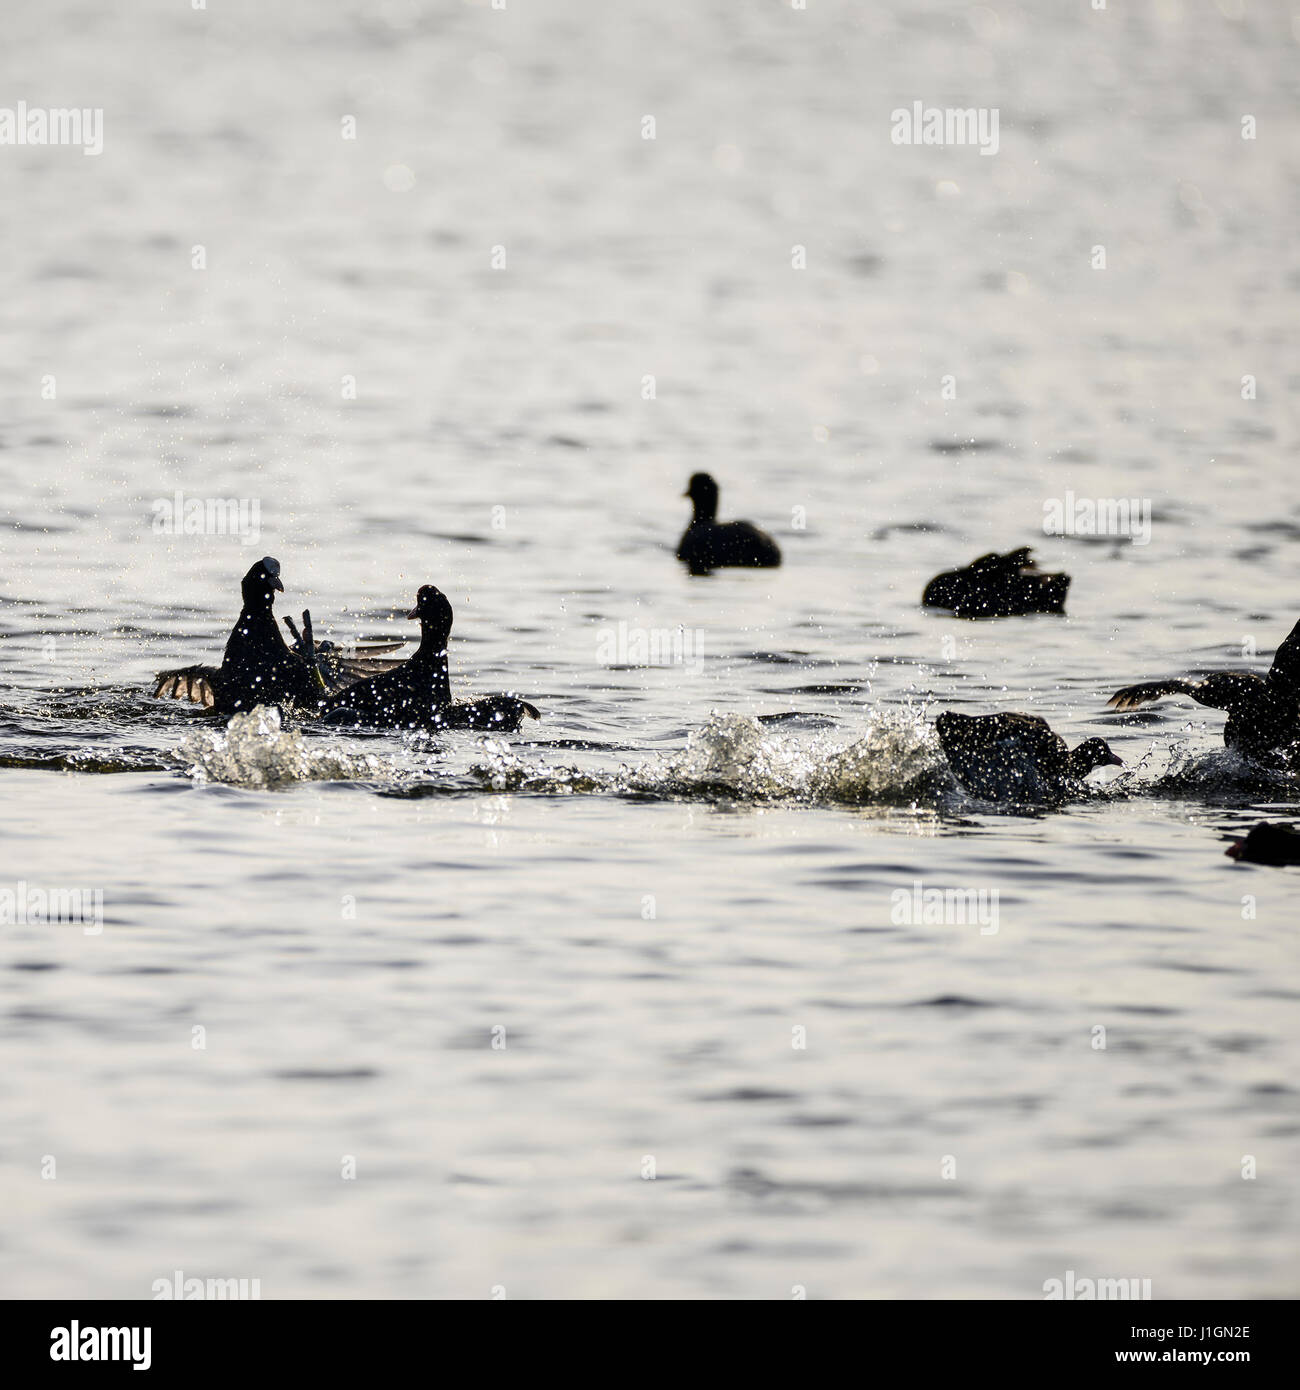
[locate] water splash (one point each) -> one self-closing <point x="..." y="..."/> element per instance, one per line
<point x="1190" y="769"/>
<point x="896" y="761"/>
<point x="253" y="750"/>
<point x="503" y="770"/>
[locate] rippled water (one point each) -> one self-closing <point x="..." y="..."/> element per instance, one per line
<point x="673" y="905"/>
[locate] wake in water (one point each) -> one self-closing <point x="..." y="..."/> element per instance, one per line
<point x="896" y="761"/>
<point x="893" y="760"/>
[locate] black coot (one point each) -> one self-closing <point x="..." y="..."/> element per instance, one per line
<point x="257" y="667"/>
<point x="1016" y="757"/>
<point x="417" y="693"/>
<point x="998" y="586"/>
<point x="1269" y="842"/>
<point x="708" y="544"/>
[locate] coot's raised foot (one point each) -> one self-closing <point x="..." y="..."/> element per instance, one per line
<point x="1016" y="757"/>
<point x="998" y="586"/>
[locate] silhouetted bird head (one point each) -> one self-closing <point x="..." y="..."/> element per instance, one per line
<point x="703" y="491"/>
<point x="434" y="612"/>
<point x="1093" y="752"/>
<point x="262" y="583"/>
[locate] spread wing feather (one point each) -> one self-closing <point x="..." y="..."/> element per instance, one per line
<point x="192" y="683"/>
<point x="1132" y="696"/>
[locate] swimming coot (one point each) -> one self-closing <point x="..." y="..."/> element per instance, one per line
<point x="1016" y="757"/>
<point x="1269" y="842"/>
<point x="417" y="693"/>
<point x="708" y="544"/>
<point x="998" y="586"/>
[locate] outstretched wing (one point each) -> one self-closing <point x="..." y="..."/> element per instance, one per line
<point x="1134" y="695"/>
<point x="340" y="667"/>
<point x="193" y="683"/>
<point x="1234" y="692"/>
<point x="364" y="649"/>
<point x="358" y="662"/>
<point x="1285" y="670"/>
<point x="359" y="651"/>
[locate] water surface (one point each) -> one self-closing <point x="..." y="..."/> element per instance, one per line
<point x="656" y="894"/>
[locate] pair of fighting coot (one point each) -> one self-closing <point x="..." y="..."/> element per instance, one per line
<point x="359" y="686"/>
<point x="350" y="686"/>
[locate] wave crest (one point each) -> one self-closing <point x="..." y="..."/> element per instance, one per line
<point x="896" y="761"/>
<point x="253" y="750"/>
